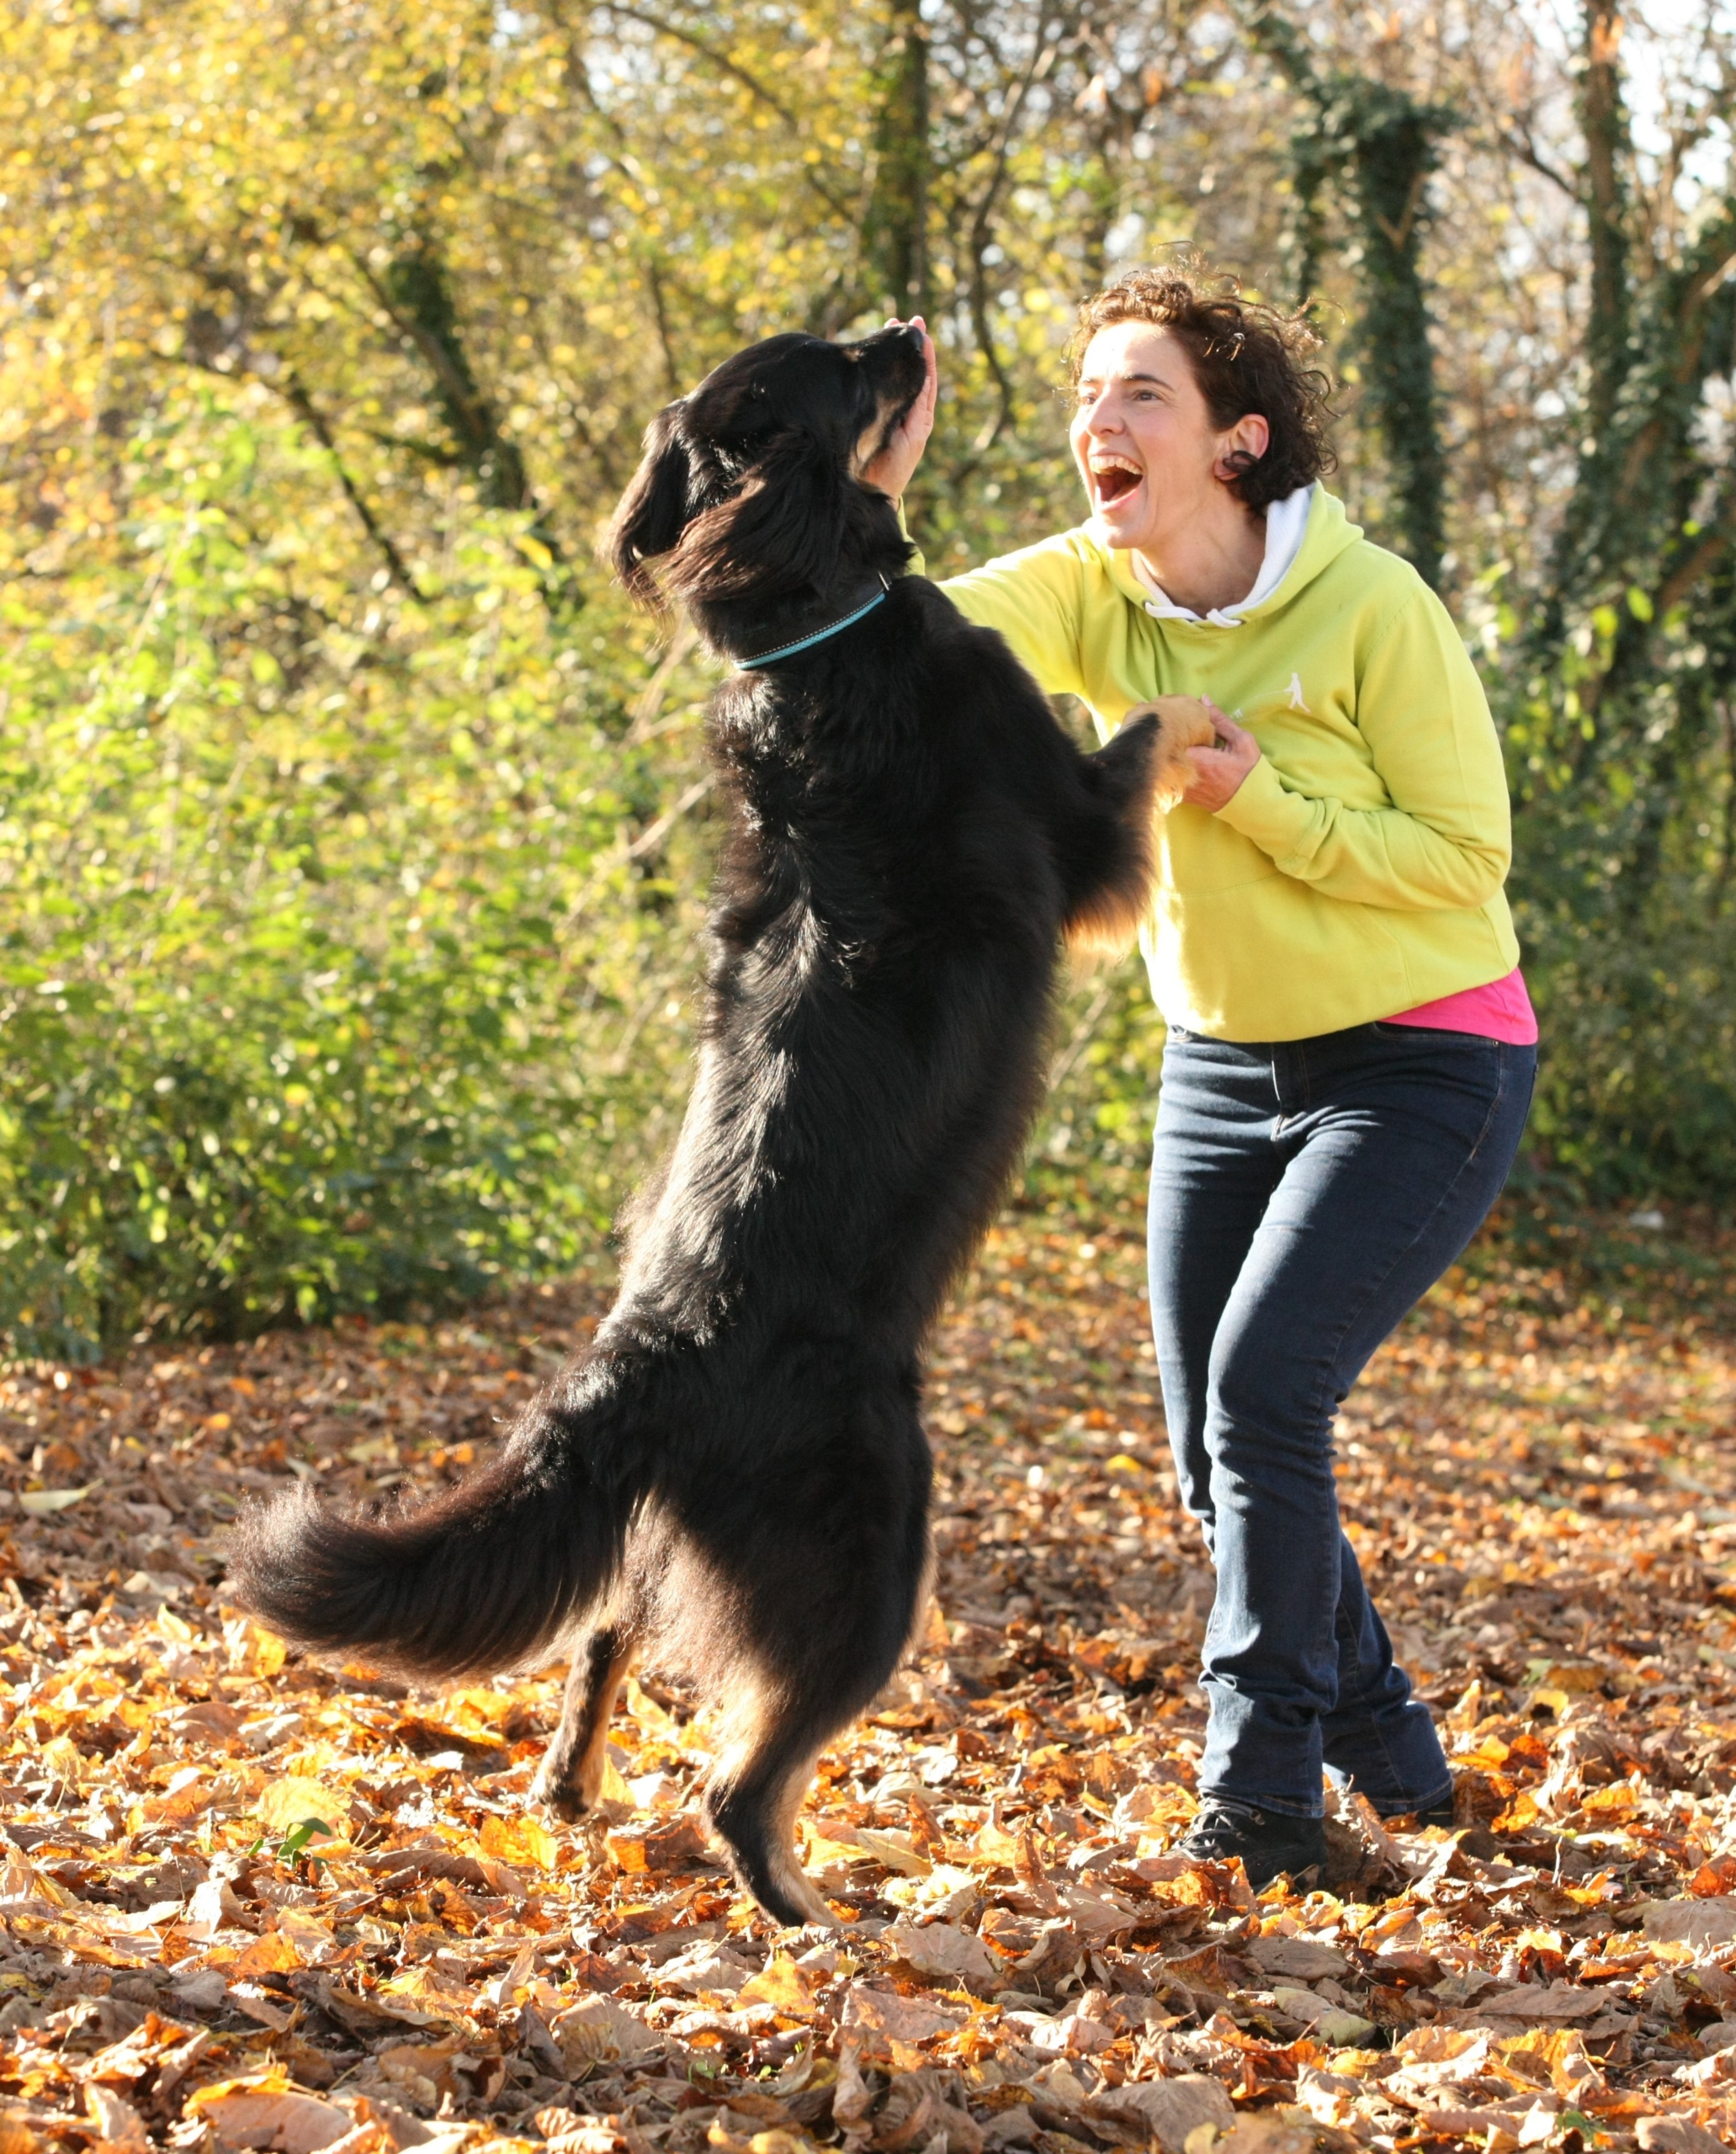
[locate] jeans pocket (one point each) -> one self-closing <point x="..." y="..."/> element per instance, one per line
<point x="1423" y="1035"/>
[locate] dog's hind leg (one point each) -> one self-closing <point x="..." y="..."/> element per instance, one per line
<point x="571" y="1774"/>
<point x="792" y="1579"/>
<point x="828" y="1634"/>
<point x="750" y="1805"/>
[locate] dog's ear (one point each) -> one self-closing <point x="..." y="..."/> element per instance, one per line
<point x="780" y="534"/>
<point x="653" y="512"/>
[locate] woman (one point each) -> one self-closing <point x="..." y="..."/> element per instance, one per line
<point x="1351" y="1046"/>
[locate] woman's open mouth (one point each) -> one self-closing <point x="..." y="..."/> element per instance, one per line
<point x="1112" y="479"/>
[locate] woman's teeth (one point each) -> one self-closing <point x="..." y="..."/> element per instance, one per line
<point x="1113" y="480"/>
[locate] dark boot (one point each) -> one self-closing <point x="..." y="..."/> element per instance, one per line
<point x="1268" y="1843"/>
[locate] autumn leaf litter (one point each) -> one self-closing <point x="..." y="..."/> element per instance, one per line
<point x="251" y="1903"/>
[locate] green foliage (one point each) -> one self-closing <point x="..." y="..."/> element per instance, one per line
<point x="294" y="1846"/>
<point x="325" y="982"/>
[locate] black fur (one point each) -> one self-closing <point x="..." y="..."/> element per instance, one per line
<point x="734" y="1481"/>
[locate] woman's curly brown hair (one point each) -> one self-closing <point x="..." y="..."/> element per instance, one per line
<point x="1246" y="357"/>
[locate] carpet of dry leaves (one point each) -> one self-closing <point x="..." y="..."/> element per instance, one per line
<point x="250" y="1902"/>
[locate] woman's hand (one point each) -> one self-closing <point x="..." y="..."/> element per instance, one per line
<point x="1219" y="771"/>
<point x="891" y="471"/>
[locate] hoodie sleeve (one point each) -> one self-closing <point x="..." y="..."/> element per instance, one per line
<point x="1445" y="842"/>
<point x="1036" y="599"/>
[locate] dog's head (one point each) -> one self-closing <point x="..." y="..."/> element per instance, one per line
<point x="748" y="488"/>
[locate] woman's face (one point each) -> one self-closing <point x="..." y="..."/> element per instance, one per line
<point x="1143" y="438"/>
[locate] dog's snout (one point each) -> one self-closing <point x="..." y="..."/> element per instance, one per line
<point x="893" y="363"/>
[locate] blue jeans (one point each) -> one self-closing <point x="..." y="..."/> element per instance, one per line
<point x="1305" y="1194"/>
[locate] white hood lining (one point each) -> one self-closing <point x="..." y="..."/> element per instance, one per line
<point x="1286" y="525"/>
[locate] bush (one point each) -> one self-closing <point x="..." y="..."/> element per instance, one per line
<point x="327" y="979"/>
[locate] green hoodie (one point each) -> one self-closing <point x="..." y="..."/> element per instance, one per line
<point x="1357" y="871"/>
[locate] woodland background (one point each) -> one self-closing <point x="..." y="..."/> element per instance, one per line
<point x="353" y="835"/>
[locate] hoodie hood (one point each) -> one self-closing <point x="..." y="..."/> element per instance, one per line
<point x="1327" y="534"/>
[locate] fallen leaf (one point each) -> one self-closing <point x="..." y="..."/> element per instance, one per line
<point x="783" y="1984"/>
<point x="42" y="1503"/>
<point x="284" y="1804"/>
<point x="264" y="2110"/>
<point x="944" y="1950"/>
<point x="519" y="1841"/>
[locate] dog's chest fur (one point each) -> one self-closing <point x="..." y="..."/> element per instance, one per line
<point x="818" y="868"/>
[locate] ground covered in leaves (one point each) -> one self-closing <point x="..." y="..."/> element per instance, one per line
<point x="250" y="1902"/>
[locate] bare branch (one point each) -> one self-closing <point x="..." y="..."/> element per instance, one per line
<point x="295" y="393"/>
<point x="736" y="72"/>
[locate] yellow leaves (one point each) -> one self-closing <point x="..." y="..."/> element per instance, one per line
<point x="995" y="1845"/>
<point x="1434" y="2055"/>
<point x="778" y="2141"/>
<point x="519" y="1840"/>
<point x="63" y="1760"/>
<point x="480" y="1708"/>
<point x="453" y="1938"/>
<point x="1052" y="1773"/>
<point x="21" y="1880"/>
<point x="273" y="1953"/>
<point x="283" y="1804"/>
<point x="781" y="1983"/>
<point x="419" y="1994"/>
<point x="252" y="1650"/>
<point x="1611" y="1805"/>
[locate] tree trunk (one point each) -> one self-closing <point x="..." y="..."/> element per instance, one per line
<point x="416" y="283"/>
<point x="1602" y="117"/>
<point x="1394" y="155"/>
<point x="897" y="237"/>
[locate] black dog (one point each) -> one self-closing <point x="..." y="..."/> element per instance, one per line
<point x="733" y="1482"/>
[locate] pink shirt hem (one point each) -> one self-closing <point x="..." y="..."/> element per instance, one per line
<point x="1501" y="1010"/>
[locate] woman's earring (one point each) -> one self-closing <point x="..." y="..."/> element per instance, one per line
<point x="1236" y="464"/>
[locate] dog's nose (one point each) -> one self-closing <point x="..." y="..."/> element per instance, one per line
<point x="913" y="333"/>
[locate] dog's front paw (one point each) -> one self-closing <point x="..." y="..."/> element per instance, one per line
<point x="1181" y="723"/>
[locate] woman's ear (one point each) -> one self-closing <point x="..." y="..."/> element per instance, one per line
<point x="1242" y="446"/>
<point x="653" y="512"/>
<point x="779" y="535"/>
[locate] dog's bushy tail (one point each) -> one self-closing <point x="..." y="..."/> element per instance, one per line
<point x="480" y="1579"/>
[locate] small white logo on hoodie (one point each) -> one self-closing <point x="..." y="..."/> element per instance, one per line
<point x="1296" y="702"/>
